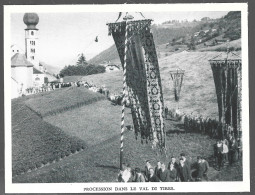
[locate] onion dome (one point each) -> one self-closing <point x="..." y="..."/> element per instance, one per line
<point x="31" y="20"/>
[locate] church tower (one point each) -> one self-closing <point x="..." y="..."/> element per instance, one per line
<point x="31" y="39"/>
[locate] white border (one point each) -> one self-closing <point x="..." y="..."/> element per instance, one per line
<point x="78" y="187"/>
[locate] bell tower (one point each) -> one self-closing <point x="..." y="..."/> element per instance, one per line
<point x="31" y="38"/>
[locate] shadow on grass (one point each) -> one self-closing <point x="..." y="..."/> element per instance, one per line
<point x="112" y="167"/>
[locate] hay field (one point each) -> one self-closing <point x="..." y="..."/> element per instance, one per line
<point x="93" y="123"/>
<point x="236" y="45"/>
<point x="35" y="142"/>
<point x="198" y="90"/>
<point x="97" y="125"/>
<point x="62" y="100"/>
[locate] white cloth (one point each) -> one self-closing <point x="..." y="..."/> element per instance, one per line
<point x="225" y="149"/>
<point x="126" y="175"/>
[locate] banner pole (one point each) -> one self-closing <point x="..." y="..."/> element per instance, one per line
<point x="124" y="98"/>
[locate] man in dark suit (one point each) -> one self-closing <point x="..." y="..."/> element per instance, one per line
<point x="175" y="167"/>
<point x="164" y="175"/>
<point x="152" y="176"/>
<point x="187" y="163"/>
<point x="158" y="169"/>
<point x="184" y="172"/>
<point x="199" y="169"/>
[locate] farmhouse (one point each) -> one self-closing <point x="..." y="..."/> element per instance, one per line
<point x="111" y="68"/>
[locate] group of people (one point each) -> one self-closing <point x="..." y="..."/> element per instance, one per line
<point x="181" y="171"/>
<point x="45" y="87"/>
<point x="227" y="151"/>
<point x="200" y="124"/>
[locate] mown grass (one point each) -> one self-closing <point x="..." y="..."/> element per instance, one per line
<point x="233" y="45"/>
<point x="100" y="162"/>
<point x="36" y="142"/>
<point x="198" y="91"/>
<point x="62" y="100"/>
<point x="93" y="123"/>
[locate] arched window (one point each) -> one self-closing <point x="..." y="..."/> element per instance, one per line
<point x="37" y="79"/>
<point x="32" y="33"/>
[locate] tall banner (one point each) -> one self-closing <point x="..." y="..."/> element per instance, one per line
<point x="226" y="72"/>
<point x="142" y="78"/>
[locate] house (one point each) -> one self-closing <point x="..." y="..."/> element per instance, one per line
<point x="111" y="68"/>
<point x="196" y="34"/>
<point x="220" y="41"/>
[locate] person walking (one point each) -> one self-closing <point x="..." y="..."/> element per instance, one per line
<point x="152" y="176"/>
<point x="164" y="175"/>
<point x="184" y="171"/>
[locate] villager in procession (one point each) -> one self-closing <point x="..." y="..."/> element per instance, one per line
<point x="164" y="175"/>
<point x="158" y="169"/>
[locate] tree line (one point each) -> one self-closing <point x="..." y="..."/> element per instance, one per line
<point x="82" y="68"/>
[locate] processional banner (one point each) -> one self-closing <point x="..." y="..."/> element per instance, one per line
<point x="227" y="73"/>
<point x="143" y="81"/>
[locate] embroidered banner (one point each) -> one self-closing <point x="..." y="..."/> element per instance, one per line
<point x="226" y="70"/>
<point x="143" y="79"/>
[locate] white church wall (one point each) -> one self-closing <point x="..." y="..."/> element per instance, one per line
<point x="38" y="80"/>
<point x="23" y="76"/>
<point x="15" y="89"/>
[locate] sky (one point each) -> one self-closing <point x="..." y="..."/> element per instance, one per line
<point x="62" y="36"/>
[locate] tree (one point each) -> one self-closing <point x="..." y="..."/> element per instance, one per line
<point x="81" y="60"/>
<point x="192" y="45"/>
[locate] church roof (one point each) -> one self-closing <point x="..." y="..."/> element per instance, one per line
<point x="19" y="60"/>
<point x="36" y="71"/>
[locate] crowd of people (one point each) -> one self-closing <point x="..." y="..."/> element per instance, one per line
<point x="200" y="124"/>
<point x="174" y="171"/>
<point x="115" y="98"/>
<point x="227" y="151"/>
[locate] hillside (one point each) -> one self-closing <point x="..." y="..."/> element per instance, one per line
<point x="198" y="91"/>
<point x="174" y="36"/>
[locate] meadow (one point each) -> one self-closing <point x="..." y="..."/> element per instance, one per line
<point x="62" y="100"/>
<point x="35" y="142"/>
<point x="76" y="132"/>
<point x="198" y="94"/>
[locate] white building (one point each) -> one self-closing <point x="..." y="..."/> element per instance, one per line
<point x="15" y="49"/>
<point x="111" y="68"/>
<point x="21" y="73"/>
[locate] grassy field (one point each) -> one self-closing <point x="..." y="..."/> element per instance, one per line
<point x="62" y="100"/>
<point x="93" y="123"/>
<point x="236" y="44"/>
<point x="36" y="142"/>
<point x="198" y="90"/>
<point x="100" y="162"/>
<point x="54" y="124"/>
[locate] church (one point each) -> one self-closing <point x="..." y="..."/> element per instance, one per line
<point x="26" y="69"/>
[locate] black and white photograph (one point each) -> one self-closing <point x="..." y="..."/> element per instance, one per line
<point x="109" y="98"/>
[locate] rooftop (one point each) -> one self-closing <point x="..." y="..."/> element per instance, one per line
<point x="19" y="60"/>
